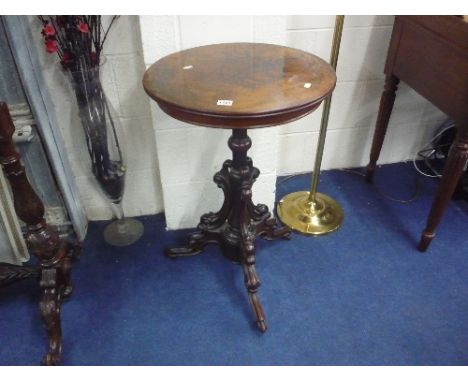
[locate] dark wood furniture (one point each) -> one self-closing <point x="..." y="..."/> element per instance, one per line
<point x="238" y="86"/>
<point x="430" y="54"/>
<point x="53" y="253"/>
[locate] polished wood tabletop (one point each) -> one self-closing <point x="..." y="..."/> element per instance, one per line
<point x="239" y="85"/>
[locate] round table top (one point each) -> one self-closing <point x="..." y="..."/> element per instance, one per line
<point x="239" y="85"/>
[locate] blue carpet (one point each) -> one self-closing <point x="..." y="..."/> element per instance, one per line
<point x="361" y="296"/>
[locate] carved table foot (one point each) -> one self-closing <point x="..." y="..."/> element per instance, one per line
<point x="50" y="313"/>
<point x="56" y="285"/>
<point x="269" y="230"/>
<point x="197" y="242"/>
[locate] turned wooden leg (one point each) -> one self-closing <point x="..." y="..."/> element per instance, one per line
<point x="42" y="240"/>
<point x="456" y="162"/>
<point x="385" y="110"/>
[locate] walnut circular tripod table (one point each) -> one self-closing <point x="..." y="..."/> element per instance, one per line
<point x="238" y="86"/>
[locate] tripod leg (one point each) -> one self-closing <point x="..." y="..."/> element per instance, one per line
<point x="50" y="311"/>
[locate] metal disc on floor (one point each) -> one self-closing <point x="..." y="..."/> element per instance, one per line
<point x="322" y="216"/>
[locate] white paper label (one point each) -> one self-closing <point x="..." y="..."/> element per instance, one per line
<point x="307" y="85"/>
<point x="224" y="102"/>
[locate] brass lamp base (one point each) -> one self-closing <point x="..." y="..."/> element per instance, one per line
<point x="319" y="218"/>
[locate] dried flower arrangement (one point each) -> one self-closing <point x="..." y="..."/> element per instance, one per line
<point x="78" y="41"/>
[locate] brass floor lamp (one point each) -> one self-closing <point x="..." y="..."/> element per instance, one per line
<point x="311" y="212"/>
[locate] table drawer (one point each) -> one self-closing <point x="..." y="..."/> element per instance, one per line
<point x="433" y="59"/>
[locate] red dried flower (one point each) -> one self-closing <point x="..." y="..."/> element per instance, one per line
<point x="66" y="59"/>
<point x="83" y="27"/>
<point x="51" y="46"/>
<point x="48" y="30"/>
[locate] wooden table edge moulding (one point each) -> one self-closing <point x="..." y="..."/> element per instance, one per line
<point x="238" y="86"/>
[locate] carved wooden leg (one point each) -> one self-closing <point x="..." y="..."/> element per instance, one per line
<point x="197" y="242"/>
<point x="10" y="273"/>
<point x="266" y="225"/>
<point x="66" y="268"/>
<point x="456" y="162"/>
<point x="56" y="285"/>
<point x="385" y="110"/>
<point x="252" y="283"/>
<point x="251" y="279"/>
<point x="50" y="311"/>
<point x="214" y="220"/>
<point x="209" y="222"/>
<point x="269" y="230"/>
<point x="42" y="240"/>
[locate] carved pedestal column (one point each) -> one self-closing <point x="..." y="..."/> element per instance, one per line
<point x="42" y="240"/>
<point x="239" y="221"/>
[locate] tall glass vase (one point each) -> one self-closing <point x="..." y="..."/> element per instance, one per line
<point x="104" y="140"/>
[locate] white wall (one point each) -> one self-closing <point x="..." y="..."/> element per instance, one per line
<point x="121" y="73"/>
<point x="171" y="164"/>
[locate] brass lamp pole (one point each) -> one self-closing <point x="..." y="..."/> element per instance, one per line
<point x="311" y="212"/>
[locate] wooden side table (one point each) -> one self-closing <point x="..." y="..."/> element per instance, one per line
<point x="429" y="53"/>
<point x="238" y="86"/>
